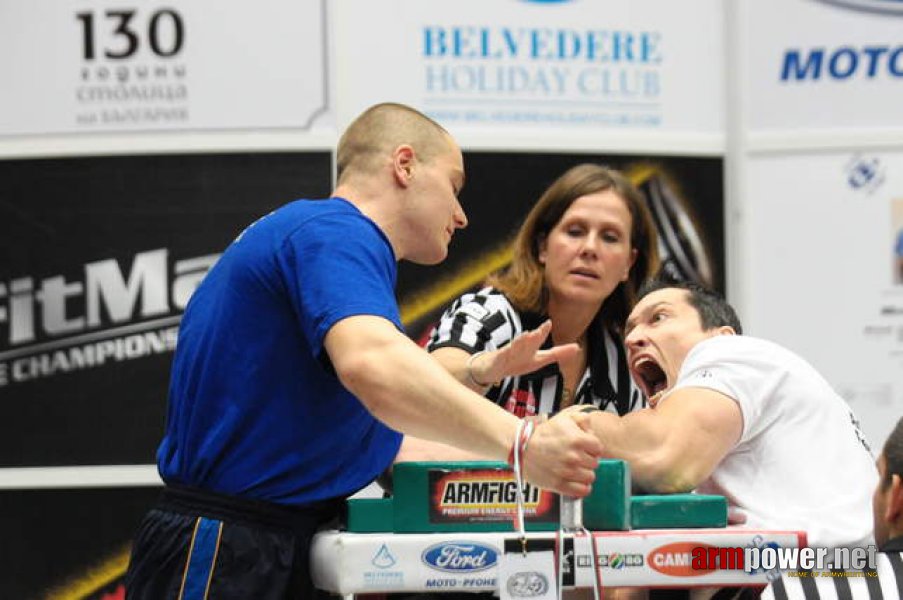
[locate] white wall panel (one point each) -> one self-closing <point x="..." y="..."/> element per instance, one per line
<point x="821" y="262"/>
<point x="186" y="65"/>
<point x="639" y="76"/>
<point x="814" y="167"/>
<point x="815" y="65"/>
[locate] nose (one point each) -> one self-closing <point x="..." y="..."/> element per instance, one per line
<point x="636" y="339"/>
<point x="590" y="245"/>
<point x="460" y="217"/>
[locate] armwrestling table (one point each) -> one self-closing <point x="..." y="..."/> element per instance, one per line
<point x="448" y="528"/>
<point x="367" y="563"/>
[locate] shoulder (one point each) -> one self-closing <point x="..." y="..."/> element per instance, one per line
<point x="483" y="304"/>
<point x="312" y="217"/>
<point x="477" y="320"/>
<point x="738" y="348"/>
<point x="731" y="364"/>
<point x="312" y="223"/>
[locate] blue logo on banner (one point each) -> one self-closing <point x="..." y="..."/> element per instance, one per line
<point x="383" y="559"/>
<point x="457" y="557"/>
<point x="865" y="174"/>
<point x="865" y="62"/>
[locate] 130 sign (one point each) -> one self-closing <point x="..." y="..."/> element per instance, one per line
<point x="165" y="33"/>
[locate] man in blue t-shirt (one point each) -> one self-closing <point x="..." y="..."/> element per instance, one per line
<point x="293" y="379"/>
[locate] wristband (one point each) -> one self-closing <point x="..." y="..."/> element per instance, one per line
<point x="470" y="376"/>
<point x="525" y="430"/>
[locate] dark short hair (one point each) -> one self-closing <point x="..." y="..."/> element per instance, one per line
<point x="893" y="455"/>
<point x="713" y="309"/>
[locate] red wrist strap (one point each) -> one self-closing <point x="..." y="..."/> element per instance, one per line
<point x="524" y="432"/>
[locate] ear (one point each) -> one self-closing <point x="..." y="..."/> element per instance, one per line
<point x="894" y="506"/>
<point x="403" y="159"/>
<point x="726" y="330"/>
<point x="541" y="254"/>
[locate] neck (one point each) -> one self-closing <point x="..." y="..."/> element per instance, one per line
<point x="378" y="208"/>
<point x="569" y="322"/>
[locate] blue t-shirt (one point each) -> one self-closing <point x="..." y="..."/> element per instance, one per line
<point x="255" y="409"/>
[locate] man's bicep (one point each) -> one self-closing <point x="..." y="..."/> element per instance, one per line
<point x="342" y="271"/>
<point x="706" y="423"/>
<point x="350" y="338"/>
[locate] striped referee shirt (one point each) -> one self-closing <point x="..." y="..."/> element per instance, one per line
<point x="885" y="583"/>
<point x="486" y="320"/>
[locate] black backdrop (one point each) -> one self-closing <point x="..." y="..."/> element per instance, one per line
<point x="502" y="187"/>
<point x="58" y="215"/>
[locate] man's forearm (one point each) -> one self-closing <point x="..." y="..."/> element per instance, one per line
<point x="675" y="446"/>
<point x="641" y="440"/>
<point x="409" y="391"/>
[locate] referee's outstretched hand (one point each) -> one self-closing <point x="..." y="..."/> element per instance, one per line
<point x="523" y="355"/>
<point x="562" y="457"/>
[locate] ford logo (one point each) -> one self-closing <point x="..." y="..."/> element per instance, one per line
<point x="457" y="557"/>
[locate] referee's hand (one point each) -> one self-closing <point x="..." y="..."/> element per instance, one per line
<point x="523" y="355"/>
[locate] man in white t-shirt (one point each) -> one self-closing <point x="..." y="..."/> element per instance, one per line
<point x="741" y="417"/>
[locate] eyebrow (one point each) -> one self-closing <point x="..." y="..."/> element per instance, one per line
<point x="605" y="223"/>
<point x="462" y="178"/>
<point x="631" y="323"/>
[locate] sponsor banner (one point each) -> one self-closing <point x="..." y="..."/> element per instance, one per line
<point x="516" y="64"/>
<point x="460" y="557"/>
<point x="840" y="216"/>
<point x="99" y="260"/>
<point x="100" y="66"/>
<point x="667" y="558"/>
<point x="69" y="543"/>
<point x="685" y="196"/>
<point x="486" y="496"/>
<point x="825" y="64"/>
<point x="348" y="563"/>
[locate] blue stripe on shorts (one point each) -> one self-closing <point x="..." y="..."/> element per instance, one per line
<point x="201" y="559"/>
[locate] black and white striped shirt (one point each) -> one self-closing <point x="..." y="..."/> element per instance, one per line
<point x="486" y="320"/>
<point x="885" y="583"/>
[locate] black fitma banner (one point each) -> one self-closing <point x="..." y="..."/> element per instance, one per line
<point x="99" y="258"/>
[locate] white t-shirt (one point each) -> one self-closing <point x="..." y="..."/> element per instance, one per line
<point x="802" y="462"/>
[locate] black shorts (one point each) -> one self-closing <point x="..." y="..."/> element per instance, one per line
<point x="196" y="546"/>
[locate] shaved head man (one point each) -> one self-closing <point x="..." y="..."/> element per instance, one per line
<point x="293" y="380"/>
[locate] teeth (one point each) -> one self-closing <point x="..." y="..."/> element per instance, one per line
<point x="641" y="361"/>
<point x="654" y="398"/>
